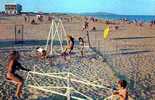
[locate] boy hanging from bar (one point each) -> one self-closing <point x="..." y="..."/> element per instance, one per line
<point x="70" y="45"/>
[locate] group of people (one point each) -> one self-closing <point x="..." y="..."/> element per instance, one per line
<point x="87" y="23"/>
<point x="39" y="18"/>
<point x="70" y="45"/>
<point x="41" y="53"/>
<point x="14" y="65"/>
<point x="152" y="23"/>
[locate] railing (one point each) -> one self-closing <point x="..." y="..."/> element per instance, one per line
<point x="66" y="76"/>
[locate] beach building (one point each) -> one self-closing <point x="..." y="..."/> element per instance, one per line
<point x="13" y="8"/>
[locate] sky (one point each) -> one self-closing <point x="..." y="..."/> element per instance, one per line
<point x="123" y="7"/>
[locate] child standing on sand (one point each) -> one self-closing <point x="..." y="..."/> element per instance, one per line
<point x="81" y="43"/>
<point x="12" y="67"/>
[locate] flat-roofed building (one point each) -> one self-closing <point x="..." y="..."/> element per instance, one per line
<point x="13" y="8"/>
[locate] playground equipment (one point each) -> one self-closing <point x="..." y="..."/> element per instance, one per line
<point x="56" y="30"/>
<point x="51" y="86"/>
<point x="47" y="81"/>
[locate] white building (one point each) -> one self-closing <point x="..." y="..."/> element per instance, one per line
<point x="13" y="8"/>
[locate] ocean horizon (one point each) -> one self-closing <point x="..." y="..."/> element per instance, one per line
<point x="142" y="18"/>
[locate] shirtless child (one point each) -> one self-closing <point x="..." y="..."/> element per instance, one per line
<point x="122" y="92"/>
<point x="12" y="67"/>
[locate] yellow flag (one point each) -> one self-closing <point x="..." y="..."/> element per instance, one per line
<point x="106" y="32"/>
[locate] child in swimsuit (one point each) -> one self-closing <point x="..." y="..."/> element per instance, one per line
<point x="81" y="43"/>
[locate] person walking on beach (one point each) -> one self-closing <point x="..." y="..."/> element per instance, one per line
<point x="81" y="43"/>
<point x="86" y="25"/>
<point x="122" y="91"/>
<point x="70" y="44"/>
<point x="25" y="18"/>
<point x="0" y="56"/>
<point x="12" y="76"/>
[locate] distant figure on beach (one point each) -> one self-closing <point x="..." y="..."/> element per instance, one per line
<point x="116" y="27"/>
<point x="25" y="18"/>
<point x="81" y="43"/>
<point x="94" y="28"/>
<point x="28" y="18"/>
<point x="39" y="18"/>
<point x="152" y="23"/>
<point x="19" y="31"/>
<point x="12" y="76"/>
<point x="141" y="24"/>
<point x="0" y="56"/>
<point x="70" y="44"/>
<point x="49" y="18"/>
<point x="86" y="25"/>
<point x="41" y="53"/>
<point x="122" y="91"/>
<point x="33" y="22"/>
<point x="92" y="19"/>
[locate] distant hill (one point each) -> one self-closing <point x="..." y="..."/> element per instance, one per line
<point x="96" y="14"/>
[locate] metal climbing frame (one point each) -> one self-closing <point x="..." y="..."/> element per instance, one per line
<point x="56" y="29"/>
<point x="66" y="76"/>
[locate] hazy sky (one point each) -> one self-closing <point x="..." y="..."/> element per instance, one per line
<point x="127" y="7"/>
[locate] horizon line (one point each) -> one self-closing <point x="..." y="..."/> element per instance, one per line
<point x="109" y="13"/>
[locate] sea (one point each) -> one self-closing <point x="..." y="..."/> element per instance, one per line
<point x="142" y="18"/>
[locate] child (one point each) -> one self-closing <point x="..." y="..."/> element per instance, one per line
<point x="41" y="52"/>
<point x="12" y="66"/>
<point x="122" y="92"/>
<point x="86" y="25"/>
<point x="70" y="44"/>
<point x="81" y="43"/>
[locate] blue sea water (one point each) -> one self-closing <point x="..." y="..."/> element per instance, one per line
<point x="144" y="18"/>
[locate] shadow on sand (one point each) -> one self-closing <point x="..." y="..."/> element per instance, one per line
<point x="11" y="43"/>
<point x="132" y="52"/>
<point x="130" y="38"/>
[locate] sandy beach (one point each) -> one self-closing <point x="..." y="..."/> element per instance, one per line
<point x="128" y="53"/>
